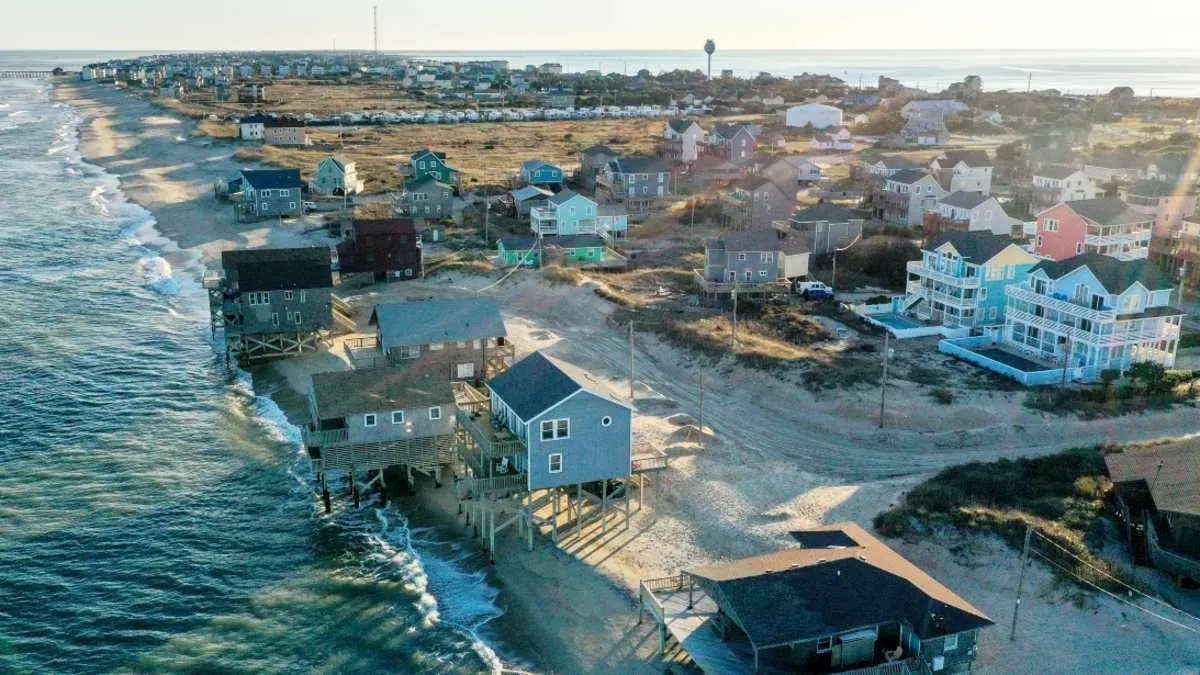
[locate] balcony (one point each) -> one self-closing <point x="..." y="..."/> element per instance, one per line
<point x="932" y="295"/>
<point x="919" y="268"/>
<point x="1138" y="238"/>
<point x="1026" y="294"/>
<point x="1124" y="332"/>
<point x="326" y="438"/>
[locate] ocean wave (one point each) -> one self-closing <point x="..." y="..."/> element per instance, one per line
<point x="157" y="275"/>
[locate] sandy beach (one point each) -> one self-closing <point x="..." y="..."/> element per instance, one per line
<point x="778" y="458"/>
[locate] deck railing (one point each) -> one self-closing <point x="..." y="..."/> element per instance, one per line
<point x="648" y="587"/>
<point x="320" y="439"/>
<point x="1025" y="293"/>
<point x="654" y="462"/>
<point x="919" y="268"/>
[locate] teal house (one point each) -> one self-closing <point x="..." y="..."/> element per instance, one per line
<point x="537" y="172"/>
<point x="568" y="249"/>
<point x="426" y="163"/>
<point x="513" y="250"/>
<point x="960" y="279"/>
<point x="567" y="212"/>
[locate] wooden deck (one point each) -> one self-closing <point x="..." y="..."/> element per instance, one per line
<point x="743" y="288"/>
<point x="691" y="629"/>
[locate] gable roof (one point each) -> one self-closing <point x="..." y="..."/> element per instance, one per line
<point x="598" y="149"/>
<point x="680" y="125"/>
<point x="806" y="593"/>
<point x="535" y="164"/>
<point x="752" y="183"/>
<point x="978" y="247"/>
<point x="574" y="241"/>
<point x="375" y="225"/>
<point x="530" y="192"/>
<point x="972" y="158"/>
<point x="897" y="163"/>
<point x="640" y="165"/>
<point x="565" y="196"/>
<point x="270" y="269"/>
<point x="338" y="161"/>
<point x="256" y="118"/>
<point x="424" y="182"/>
<point x="430" y="321"/>
<point x="1107" y="211"/>
<point x="537" y="382"/>
<point x="965" y="200"/>
<point x="1056" y="171"/>
<point x="908" y="176"/>
<point x="272" y="179"/>
<point x="824" y="211"/>
<point x="1176" y="487"/>
<point x="441" y="156"/>
<point x="1152" y="188"/>
<point x="1115" y="275"/>
<point x="759" y="239"/>
<point x="352" y="392"/>
<point x="725" y="130"/>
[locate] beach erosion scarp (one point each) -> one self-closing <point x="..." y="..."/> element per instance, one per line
<point x="561" y="615"/>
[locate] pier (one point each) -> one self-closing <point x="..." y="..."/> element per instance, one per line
<point x="28" y="74"/>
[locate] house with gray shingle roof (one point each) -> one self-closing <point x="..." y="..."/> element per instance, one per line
<point x="758" y="258"/>
<point x="1107" y="226"/>
<point x="964" y="170"/>
<point x="636" y="182"/>
<point x="972" y="212"/>
<point x="823" y="228"/>
<point x="462" y="338"/>
<point x="906" y="196"/>
<point x="1052" y="184"/>
<point x="755" y="201"/>
<point x="682" y="139"/>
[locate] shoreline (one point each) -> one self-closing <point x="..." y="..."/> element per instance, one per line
<point x="191" y="235"/>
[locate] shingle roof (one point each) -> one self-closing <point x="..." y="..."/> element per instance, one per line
<point x="270" y="269"/>
<point x="538" y="381"/>
<point x="806" y="593"/>
<point x="1107" y="211"/>
<point x="1116" y="275"/>
<point x="897" y="163"/>
<point x="574" y="241"/>
<point x="273" y="179"/>
<point x="531" y="192"/>
<point x="907" y="176"/>
<point x="377" y="225"/>
<point x="564" y="196"/>
<point x="424" y="181"/>
<point x="598" y="149"/>
<point x="751" y="183"/>
<point x="284" y="122"/>
<point x="972" y="158"/>
<point x="534" y="164"/>
<point x="1057" y="172"/>
<point x="518" y="243"/>
<point x="978" y="247"/>
<point x="1176" y="487"/>
<point x="965" y="200"/>
<point x="761" y="239"/>
<point x="354" y="392"/>
<point x="1152" y="188"/>
<point x="640" y="165"/>
<point x="729" y="130"/>
<point x="256" y="118"/>
<point x="824" y="211"/>
<point x="430" y="321"/>
<point x="680" y="126"/>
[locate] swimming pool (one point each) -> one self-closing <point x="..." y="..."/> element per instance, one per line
<point x="897" y="321"/>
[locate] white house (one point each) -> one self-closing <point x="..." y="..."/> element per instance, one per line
<point x="335" y="176"/>
<point x="837" y="138"/>
<point x="933" y="108"/>
<point x="253" y="126"/>
<point x="682" y="140"/>
<point x="976" y="211"/>
<point x="889" y="165"/>
<point x="965" y="170"/>
<point x="1056" y="184"/>
<point x="819" y="115"/>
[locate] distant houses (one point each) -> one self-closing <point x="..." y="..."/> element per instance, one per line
<point x="836" y="139"/>
<point x="968" y="212"/>
<point x="682" y="139"/>
<point x="905" y="197"/>
<point x="592" y="163"/>
<point x="542" y="174"/>
<point x="426" y="198"/>
<point x="963" y="171"/>
<point x="751" y="260"/>
<point x="823" y="228"/>
<point x="567" y="212"/>
<point x="733" y="142"/>
<point x="285" y="131"/>
<point x="754" y="202"/>
<point x="426" y="163"/>
<point x="819" y="115"/>
<point x="253" y="127"/>
<point x="1050" y="185"/>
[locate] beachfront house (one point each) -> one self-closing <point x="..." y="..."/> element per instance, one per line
<point x="754" y="202"/>
<point x="1106" y="225"/>
<point x="526" y="197"/>
<point x="968" y="212"/>
<point x="426" y="163"/>
<point x="963" y="170"/>
<point x="841" y="601"/>
<point x="961" y="276"/>
<point x="464" y="338"/>
<point x="1052" y="185"/>
<point x="1109" y="168"/>
<point x="636" y="182"/>
<point x="905" y="197"/>
<point x="576" y="250"/>
<point x="426" y="198"/>
<point x="682" y="139"/>
<point x="1157" y="491"/>
<point x="592" y="161"/>
<point x="571" y="427"/>
<point x="377" y="418"/>
<point x="285" y="131"/>
<point x="252" y="127"/>
<point x="383" y="247"/>
<point x="750" y="260"/>
<point x="544" y="174"/>
<point x="335" y="176"/>
<point x="272" y="302"/>
<point x="271" y="193"/>
<point x="734" y="142"/>
<point x="567" y="212"/>
<point x="823" y="227"/>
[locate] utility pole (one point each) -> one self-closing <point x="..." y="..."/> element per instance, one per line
<point x="375" y="21"/>
<point x="1021" y="581"/>
<point x="733" y="332"/>
<point x="693" y="228"/>
<point x="631" y="399"/>
<point x="1066" y="361"/>
<point x="702" y="406"/>
<point x="887" y="353"/>
<point x="487" y="219"/>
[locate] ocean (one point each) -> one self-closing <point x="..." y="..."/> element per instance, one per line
<point x="156" y="512"/>
<point x="1078" y="71"/>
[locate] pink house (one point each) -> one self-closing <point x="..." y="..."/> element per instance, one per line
<point x="1106" y="226"/>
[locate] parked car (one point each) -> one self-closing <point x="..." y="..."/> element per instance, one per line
<point x="813" y="290"/>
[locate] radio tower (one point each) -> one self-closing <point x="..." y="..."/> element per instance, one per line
<point x="375" y="17"/>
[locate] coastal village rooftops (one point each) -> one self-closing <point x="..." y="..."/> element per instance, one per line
<point x="1107" y="211"/>
<point x="1153" y="188"/>
<point x="824" y="212"/>
<point x="727" y="130"/>
<point x="965" y="200"/>
<point x="801" y="594"/>
<point x="907" y="176"/>
<point x="977" y="247"/>
<point x="437" y="321"/>
<point x="1116" y="275"/>
<point x="1171" y="472"/>
<point x="1055" y="171"/>
<point x="285" y="122"/>
<point x="627" y="165"/>
<point x="972" y="158"/>
<point x="272" y="179"/>
<point x="537" y="382"/>
<point x="270" y="269"/>
<point x="757" y="240"/>
<point x="352" y="392"/>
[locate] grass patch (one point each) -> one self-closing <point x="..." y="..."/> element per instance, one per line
<point x="923" y="375"/>
<point x="942" y="395"/>
<point x="1060" y="496"/>
<point x="556" y="274"/>
<point x="1146" y="386"/>
<point x="710" y="336"/>
<point x="617" y="297"/>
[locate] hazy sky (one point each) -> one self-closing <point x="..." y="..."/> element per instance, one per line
<point x="163" y="25"/>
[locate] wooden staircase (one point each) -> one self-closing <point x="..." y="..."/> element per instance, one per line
<point x="343" y="315"/>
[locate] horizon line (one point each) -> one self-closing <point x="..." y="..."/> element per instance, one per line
<point x="389" y="51"/>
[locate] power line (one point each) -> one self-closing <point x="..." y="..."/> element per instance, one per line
<point x="1116" y="597"/>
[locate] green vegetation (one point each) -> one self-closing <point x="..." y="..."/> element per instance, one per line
<point x="942" y="395"/>
<point x="1060" y="496"/>
<point x="557" y="274"/>
<point x="1189" y="339"/>
<point x="1146" y="386"/>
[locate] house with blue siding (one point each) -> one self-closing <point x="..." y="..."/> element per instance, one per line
<point x="572" y="428"/>
<point x="612" y="220"/>
<point x="537" y="172"/>
<point x="270" y="193"/>
<point x="567" y="212"/>
<point x="960" y="279"/>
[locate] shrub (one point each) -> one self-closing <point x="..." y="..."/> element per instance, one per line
<point x="1189" y="339"/>
<point x="556" y="274"/>
<point x="942" y="395"/>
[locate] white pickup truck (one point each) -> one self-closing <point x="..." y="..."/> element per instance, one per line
<point x="813" y="290"/>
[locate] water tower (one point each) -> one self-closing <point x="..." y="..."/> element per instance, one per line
<point x="709" y="48"/>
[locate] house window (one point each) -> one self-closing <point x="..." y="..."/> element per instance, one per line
<point x="475" y="344"/>
<point x="465" y="370"/>
<point x="741" y="256"/>
<point x="553" y="430"/>
<point x="767" y="257"/>
<point x="1051" y="225"/>
<point x="274" y="318"/>
<point x="606" y="421"/>
<point x="369" y="420"/>
<point x="435" y="413"/>
<point x="762" y="273"/>
<point x="266" y="206"/>
<point x="1078" y="247"/>
<point x="397" y="417"/>
<point x="824" y="645"/>
<point x="303" y="296"/>
<point x="297" y="315"/>
<point x="950" y="643"/>
<point x="1039" y="241"/>
<point x="289" y="317"/>
<point x="291" y="205"/>
<point x="556" y="463"/>
<point x="436" y="347"/>
<point x="287" y="295"/>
